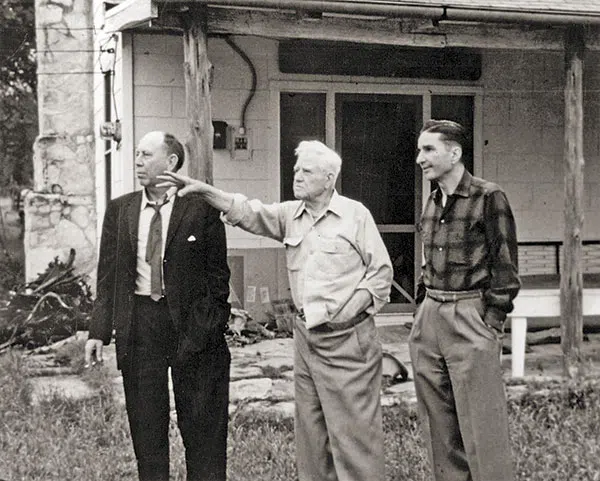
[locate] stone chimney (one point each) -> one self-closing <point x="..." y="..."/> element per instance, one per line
<point x="60" y="211"/>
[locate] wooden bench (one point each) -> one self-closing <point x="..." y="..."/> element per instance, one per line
<point x="532" y="303"/>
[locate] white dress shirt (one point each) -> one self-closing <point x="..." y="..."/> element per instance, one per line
<point x="142" y="283"/>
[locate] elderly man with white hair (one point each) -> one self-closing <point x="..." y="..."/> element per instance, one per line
<point x="340" y="275"/>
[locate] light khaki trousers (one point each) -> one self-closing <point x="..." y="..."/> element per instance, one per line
<point x="337" y="380"/>
<point x="460" y="392"/>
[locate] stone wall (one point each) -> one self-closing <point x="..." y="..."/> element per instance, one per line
<point x="54" y="224"/>
<point x="60" y="211"/>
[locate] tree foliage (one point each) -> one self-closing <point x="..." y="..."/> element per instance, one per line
<point x="18" y="103"/>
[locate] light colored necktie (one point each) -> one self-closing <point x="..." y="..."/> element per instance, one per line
<point x="154" y="251"/>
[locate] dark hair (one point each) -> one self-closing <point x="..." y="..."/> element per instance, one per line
<point x="449" y="130"/>
<point x="173" y="146"/>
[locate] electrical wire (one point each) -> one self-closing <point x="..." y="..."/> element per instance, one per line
<point x="114" y="97"/>
<point x="246" y="59"/>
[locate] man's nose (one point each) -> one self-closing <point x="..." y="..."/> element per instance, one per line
<point x="420" y="158"/>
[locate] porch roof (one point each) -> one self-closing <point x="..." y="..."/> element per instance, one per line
<point x="129" y="13"/>
<point x="589" y="7"/>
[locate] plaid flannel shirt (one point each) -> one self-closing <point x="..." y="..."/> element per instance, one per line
<point x="471" y="243"/>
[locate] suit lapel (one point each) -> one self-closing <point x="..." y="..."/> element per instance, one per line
<point x="133" y="218"/>
<point x="179" y="207"/>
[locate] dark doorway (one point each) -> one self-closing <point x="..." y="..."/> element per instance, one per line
<point x="302" y="117"/>
<point x="376" y="136"/>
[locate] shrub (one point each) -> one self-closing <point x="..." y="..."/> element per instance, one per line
<point x="12" y="274"/>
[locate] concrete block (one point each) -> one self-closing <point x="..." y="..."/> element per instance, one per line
<point x="526" y="166"/>
<point x="552" y="139"/>
<point x="553" y="111"/>
<point x="524" y="111"/>
<point x="178" y="127"/>
<point x="553" y="81"/>
<point x="158" y="45"/>
<point x="520" y="194"/>
<point x="158" y="70"/>
<point x="496" y="110"/>
<point x="152" y="102"/>
<point x="591" y="192"/>
<point x="548" y="197"/>
<point x="179" y="107"/>
<point x="512" y="139"/>
<point x="226" y="104"/>
<point x="232" y="76"/>
<point x="225" y="168"/>
<point x="539" y="225"/>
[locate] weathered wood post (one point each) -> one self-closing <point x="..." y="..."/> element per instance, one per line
<point x="571" y="280"/>
<point x="197" y="71"/>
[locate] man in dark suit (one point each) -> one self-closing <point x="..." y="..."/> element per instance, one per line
<point x="163" y="286"/>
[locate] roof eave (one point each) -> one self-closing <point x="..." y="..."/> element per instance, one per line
<point x="132" y="13"/>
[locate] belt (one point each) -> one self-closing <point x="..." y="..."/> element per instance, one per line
<point x="453" y="296"/>
<point x="142" y="298"/>
<point x="336" y="326"/>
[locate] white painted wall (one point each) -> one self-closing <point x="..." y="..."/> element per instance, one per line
<point x="524" y="137"/>
<point x="522" y="127"/>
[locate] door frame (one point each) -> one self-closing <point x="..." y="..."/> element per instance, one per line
<point x="407" y="228"/>
<point x="425" y="91"/>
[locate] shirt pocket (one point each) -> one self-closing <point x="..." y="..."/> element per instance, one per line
<point x="293" y="252"/>
<point x="462" y="241"/>
<point x="457" y="254"/>
<point x="336" y="257"/>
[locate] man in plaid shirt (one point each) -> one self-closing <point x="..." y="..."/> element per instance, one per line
<point x="468" y="283"/>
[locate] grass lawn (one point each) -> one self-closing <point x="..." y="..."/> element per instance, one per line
<point x="555" y="436"/>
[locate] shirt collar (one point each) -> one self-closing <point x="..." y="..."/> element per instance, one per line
<point x="335" y="206"/>
<point x="169" y="195"/>
<point x="463" y="188"/>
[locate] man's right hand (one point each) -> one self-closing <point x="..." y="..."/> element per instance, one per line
<point x="220" y="200"/>
<point x="93" y="352"/>
<point x="185" y="185"/>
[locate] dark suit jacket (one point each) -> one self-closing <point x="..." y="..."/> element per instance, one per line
<point x="196" y="275"/>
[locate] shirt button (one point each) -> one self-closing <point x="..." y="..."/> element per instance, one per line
<point x="442" y="221"/>
<point x="440" y="249"/>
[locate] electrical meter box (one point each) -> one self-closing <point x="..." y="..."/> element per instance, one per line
<point x="219" y="134"/>
<point x="239" y="143"/>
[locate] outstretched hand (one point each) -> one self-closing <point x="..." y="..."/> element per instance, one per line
<point x="185" y="185"/>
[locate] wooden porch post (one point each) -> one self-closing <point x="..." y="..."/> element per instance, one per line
<point x="197" y="71"/>
<point x="571" y="281"/>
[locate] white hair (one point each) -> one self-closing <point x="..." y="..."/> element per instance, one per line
<point x="328" y="159"/>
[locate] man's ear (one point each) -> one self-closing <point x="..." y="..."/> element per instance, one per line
<point x="456" y="153"/>
<point x="172" y="162"/>
<point x="331" y="178"/>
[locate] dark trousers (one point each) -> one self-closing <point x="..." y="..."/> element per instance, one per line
<point x="460" y="392"/>
<point x="201" y="389"/>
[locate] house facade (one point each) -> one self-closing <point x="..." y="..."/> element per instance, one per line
<point x="363" y="78"/>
